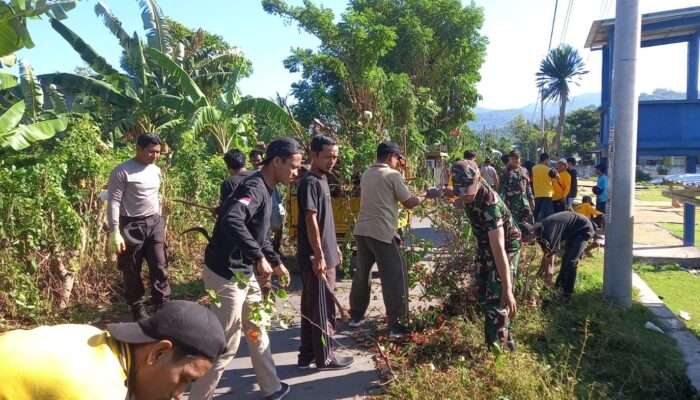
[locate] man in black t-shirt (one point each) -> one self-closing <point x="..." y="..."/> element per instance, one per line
<point x="574" y="230"/>
<point x="317" y="257"/>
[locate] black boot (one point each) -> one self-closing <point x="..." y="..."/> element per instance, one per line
<point x="138" y="311"/>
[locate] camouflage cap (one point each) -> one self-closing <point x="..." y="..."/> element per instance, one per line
<point x="465" y="177"/>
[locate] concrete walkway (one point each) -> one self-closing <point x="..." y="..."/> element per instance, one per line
<point x="238" y="381"/>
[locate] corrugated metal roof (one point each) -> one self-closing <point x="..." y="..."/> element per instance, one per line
<point x="600" y="30"/>
<point x="688" y="180"/>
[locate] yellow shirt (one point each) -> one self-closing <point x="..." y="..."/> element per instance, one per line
<point x="561" y="188"/>
<point x="587" y="210"/>
<point x="71" y="362"/>
<point x="541" y="182"/>
<point x="381" y="191"/>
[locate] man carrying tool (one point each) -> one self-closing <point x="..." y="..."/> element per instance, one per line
<point x="136" y="228"/>
<point x="318" y="256"/>
<point x="382" y="187"/>
<point x="498" y="240"/>
<point x="240" y="243"/>
<point x="516" y="191"/>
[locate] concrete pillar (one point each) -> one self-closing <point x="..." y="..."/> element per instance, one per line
<point x="617" y="277"/>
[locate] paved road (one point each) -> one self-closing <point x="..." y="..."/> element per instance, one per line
<point x="239" y="382"/>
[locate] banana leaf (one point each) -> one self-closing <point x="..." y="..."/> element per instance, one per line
<point x="24" y="135"/>
<point x="155" y="26"/>
<point x="203" y="117"/>
<point x="31" y="89"/>
<point x="266" y="108"/>
<point x="91" y="86"/>
<point x="58" y="101"/>
<point x="184" y="81"/>
<point x="176" y="103"/>
<point x="7" y="81"/>
<point x="10" y="118"/>
<point x="88" y="54"/>
<point x="112" y="23"/>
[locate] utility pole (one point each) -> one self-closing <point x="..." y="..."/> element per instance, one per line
<point x="617" y="280"/>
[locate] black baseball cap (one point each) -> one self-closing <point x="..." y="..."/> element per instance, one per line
<point x="190" y="326"/>
<point x="389" y="147"/>
<point x="514" y="153"/>
<point x="281" y="147"/>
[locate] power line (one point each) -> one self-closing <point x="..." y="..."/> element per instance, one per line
<point x="554" y="20"/>
<point x="565" y="28"/>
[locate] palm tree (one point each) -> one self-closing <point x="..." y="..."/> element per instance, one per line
<point x="558" y="70"/>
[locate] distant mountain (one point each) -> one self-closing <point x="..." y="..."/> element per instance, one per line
<point x="499" y="118"/>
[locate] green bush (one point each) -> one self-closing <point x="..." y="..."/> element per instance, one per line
<point x="641" y="176"/>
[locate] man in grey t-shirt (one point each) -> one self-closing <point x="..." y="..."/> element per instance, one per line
<point x="136" y="229"/>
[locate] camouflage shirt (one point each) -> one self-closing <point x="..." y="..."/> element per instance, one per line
<point x="516" y="192"/>
<point x="488" y="212"/>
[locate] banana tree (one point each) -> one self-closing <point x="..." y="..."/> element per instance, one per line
<point x="25" y="122"/>
<point x="229" y="120"/>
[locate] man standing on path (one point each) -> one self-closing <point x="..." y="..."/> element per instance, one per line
<point x="155" y="358"/>
<point x="573" y="192"/>
<point x="561" y="186"/>
<point x="488" y="172"/>
<point x="542" y="177"/>
<point x="516" y="191"/>
<point x="235" y="161"/>
<point x="239" y="244"/>
<point x="601" y="187"/>
<point x="382" y="187"/>
<point x="136" y="228"/>
<point x="575" y="230"/>
<point x="498" y="240"/>
<point x="318" y="256"/>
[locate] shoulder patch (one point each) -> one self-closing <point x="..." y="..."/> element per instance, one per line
<point x="245" y="201"/>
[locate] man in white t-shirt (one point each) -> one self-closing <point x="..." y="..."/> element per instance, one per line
<point x="489" y="174"/>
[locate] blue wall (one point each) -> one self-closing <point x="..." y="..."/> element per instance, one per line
<point x="669" y="128"/>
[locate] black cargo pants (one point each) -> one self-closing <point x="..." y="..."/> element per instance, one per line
<point x="144" y="238"/>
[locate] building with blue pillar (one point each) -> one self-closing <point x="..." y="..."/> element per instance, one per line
<point x="665" y="128"/>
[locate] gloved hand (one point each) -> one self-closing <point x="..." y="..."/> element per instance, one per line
<point x="115" y="242"/>
<point x="433" y="193"/>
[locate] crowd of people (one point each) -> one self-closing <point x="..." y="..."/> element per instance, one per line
<point x="183" y="342"/>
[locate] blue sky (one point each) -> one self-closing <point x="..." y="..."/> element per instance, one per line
<point x="518" y="32"/>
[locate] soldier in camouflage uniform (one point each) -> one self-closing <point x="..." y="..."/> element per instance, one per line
<point x="498" y="250"/>
<point x="516" y="191"/>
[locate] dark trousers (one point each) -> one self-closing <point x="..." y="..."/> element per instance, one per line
<point x="392" y="274"/>
<point x="543" y="208"/>
<point x="317" y="305"/>
<point x="569" y="263"/>
<point x="144" y="238"/>
<point x="600" y="205"/>
<point x="559" y="205"/>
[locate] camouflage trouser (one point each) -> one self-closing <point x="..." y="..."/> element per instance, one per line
<point x="520" y="209"/>
<point x="496" y="323"/>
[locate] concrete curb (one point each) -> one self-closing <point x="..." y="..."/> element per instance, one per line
<point x="687" y="343"/>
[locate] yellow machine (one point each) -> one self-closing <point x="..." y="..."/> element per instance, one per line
<point x="345" y="211"/>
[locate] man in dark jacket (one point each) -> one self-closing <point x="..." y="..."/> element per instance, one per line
<point x="573" y="192"/>
<point x="239" y="244"/>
